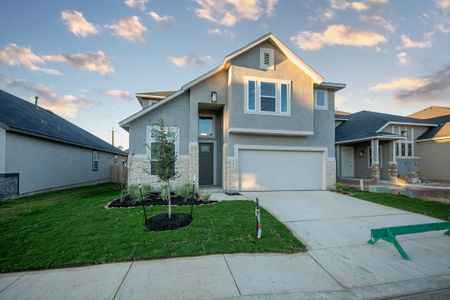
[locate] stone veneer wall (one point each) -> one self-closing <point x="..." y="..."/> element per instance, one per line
<point x="331" y="173"/>
<point x="139" y="171"/>
<point x="193" y="163"/>
<point x="230" y="174"/>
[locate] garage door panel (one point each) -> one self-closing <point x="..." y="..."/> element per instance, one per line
<point x="261" y="170"/>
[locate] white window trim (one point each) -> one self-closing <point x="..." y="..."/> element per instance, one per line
<point x="271" y="52"/>
<point x="277" y="83"/>
<point x="406" y="142"/>
<point x="325" y="106"/>
<point x="95" y="160"/>
<point x="213" y="136"/>
<point x="150" y="140"/>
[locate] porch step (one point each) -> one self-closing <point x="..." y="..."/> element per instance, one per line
<point x="211" y="189"/>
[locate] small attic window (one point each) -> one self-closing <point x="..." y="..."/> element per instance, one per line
<point x="266" y="60"/>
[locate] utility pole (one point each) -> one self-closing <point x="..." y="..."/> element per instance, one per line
<point x="112" y="136"/>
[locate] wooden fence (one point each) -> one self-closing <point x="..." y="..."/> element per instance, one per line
<point x="119" y="174"/>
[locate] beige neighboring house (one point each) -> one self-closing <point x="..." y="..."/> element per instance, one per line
<point x="384" y="146"/>
<point x="262" y="120"/>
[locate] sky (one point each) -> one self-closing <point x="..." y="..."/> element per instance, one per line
<point x="86" y="59"/>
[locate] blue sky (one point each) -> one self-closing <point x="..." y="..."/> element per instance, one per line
<point x="86" y="59"/>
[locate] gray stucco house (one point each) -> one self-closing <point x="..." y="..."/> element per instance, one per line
<point x="41" y="151"/>
<point x="383" y="146"/>
<point x="262" y="120"/>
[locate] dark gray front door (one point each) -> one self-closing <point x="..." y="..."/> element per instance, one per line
<point x="206" y="163"/>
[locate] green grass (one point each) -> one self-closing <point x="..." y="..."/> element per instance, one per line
<point x="72" y="227"/>
<point x="430" y="208"/>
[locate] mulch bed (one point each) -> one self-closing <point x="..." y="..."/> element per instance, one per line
<point x="154" y="199"/>
<point x="163" y="222"/>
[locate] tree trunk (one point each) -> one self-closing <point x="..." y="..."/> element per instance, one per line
<point x="170" y="200"/>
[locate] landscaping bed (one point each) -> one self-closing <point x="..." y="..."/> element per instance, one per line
<point x="154" y="199"/>
<point x="71" y="228"/>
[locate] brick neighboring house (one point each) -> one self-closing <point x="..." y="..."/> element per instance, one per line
<point x="383" y="146"/>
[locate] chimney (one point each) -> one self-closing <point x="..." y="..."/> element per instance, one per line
<point x="36" y="98"/>
<point x="112" y="136"/>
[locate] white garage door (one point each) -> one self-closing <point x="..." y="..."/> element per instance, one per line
<point x="272" y="170"/>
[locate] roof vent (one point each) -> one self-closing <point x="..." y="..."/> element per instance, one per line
<point x="36" y="99"/>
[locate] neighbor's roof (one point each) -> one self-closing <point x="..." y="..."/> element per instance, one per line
<point x="316" y="77"/>
<point x="368" y="124"/>
<point x="341" y="112"/>
<point x="20" y="116"/>
<point x="440" y="132"/>
<point x="431" y="112"/>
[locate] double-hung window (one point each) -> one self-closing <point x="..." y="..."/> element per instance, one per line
<point x="173" y="135"/>
<point x="267" y="96"/>
<point x="94" y="160"/>
<point x="404" y="148"/>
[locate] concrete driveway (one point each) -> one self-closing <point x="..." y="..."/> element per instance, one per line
<point x="336" y="228"/>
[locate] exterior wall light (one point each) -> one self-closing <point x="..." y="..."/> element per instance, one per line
<point x="214" y="97"/>
<point x="361" y="153"/>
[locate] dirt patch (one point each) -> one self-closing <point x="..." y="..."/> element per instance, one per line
<point x="163" y="222"/>
<point x="153" y="199"/>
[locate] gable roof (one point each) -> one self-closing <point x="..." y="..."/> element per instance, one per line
<point x="440" y="132"/>
<point x="155" y="95"/>
<point x="316" y="77"/>
<point x="20" y="116"/>
<point x="368" y="124"/>
<point x="431" y="112"/>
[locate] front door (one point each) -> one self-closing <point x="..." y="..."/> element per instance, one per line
<point x="347" y="162"/>
<point x="206" y="163"/>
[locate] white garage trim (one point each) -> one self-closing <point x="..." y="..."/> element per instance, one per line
<point x="324" y="151"/>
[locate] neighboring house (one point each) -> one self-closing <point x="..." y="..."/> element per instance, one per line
<point x="262" y="120"/>
<point x="383" y="146"/>
<point x="41" y="151"/>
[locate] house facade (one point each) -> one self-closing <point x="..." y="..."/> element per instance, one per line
<point x="40" y="151"/>
<point x="263" y="120"/>
<point x="381" y="146"/>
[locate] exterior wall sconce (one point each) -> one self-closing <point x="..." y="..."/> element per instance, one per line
<point x="214" y="97"/>
<point x="361" y="153"/>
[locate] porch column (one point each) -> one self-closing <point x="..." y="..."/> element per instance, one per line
<point x="393" y="173"/>
<point x="193" y="142"/>
<point x="375" y="168"/>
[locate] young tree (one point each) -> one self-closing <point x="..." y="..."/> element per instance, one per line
<point x="165" y="166"/>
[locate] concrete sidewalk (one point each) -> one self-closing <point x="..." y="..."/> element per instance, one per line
<point x="339" y="264"/>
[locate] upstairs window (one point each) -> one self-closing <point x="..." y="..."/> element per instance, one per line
<point x="206" y="126"/>
<point x="154" y="145"/>
<point x="320" y="99"/>
<point x="266" y="60"/>
<point x="404" y="148"/>
<point x="267" y="96"/>
<point x="94" y="160"/>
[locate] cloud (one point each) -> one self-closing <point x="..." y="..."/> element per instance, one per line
<point x="403" y="83"/>
<point x="124" y="95"/>
<point x="336" y="35"/>
<point x="379" y="21"/>
<point x="136" y="3"/>
<point x="184" y="60"/>
<point x="436" y="87"/>
<point x="94" y="62"/>
<point x="163" y="20"/>
<point x="66" y="105"/>
<point x="344" y="4"/>
<point x="218" y="31"/>
<point x="402" y="58"/>
<point x="443" y="3"/>
<point x="77" y="24"/>
<point x="130" y="29"/>
<point x="14" y="55"/>
<point x="408" y="43"/>
<point x="229" y="12"/>
<point x="339" y="99"/>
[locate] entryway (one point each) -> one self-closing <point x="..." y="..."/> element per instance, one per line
<point x="206" y="163"/>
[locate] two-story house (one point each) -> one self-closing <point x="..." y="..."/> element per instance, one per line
<point x="262" y="120"/>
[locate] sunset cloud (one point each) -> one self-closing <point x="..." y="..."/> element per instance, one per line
<point x="408" y="43"/>
<point x="136" y="3"/>
<point x="121" y="94"/>
<point x="14" y="55"/>
<point x="379" y="21"/>
<point x="130" y="29"/>
<point x="402" y="58"/>
<point x="163" y="20"/>
<point x="184" y="60"/>
<point x="218" y="31"/>
<point x="77" y="24"/>
<point x="403" y="83"/>
<point x="443" y="3"/>
<point x="94" y="62"/>
<point x="229" y="12"/>
<point x="337" y="35"/>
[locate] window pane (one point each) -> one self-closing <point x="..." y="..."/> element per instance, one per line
<point x="320" y="98"/>
<point x="154" y="150"/>
<point x="409" y="149"/>
<point x="403" y="149"/>
<point x="283" y="97"/>
<point x="267" y="104"/>
<point x="251" y="95"/>
<point x="267" y="89"/>
<point x="155" y="133"/>
<point x="153" y="165"/>
<point x="205" y="126"/>
<point x="397" y="146"/>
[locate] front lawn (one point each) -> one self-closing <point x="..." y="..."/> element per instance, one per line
<point x="72" y="227"/>
<point x="430" y="208"/>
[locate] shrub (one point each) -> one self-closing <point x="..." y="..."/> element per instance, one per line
<point x="133" y="190"/>
<point x="205" y="196"/>
<point x="186" y="191"/>
<point x="340" y="187"/>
